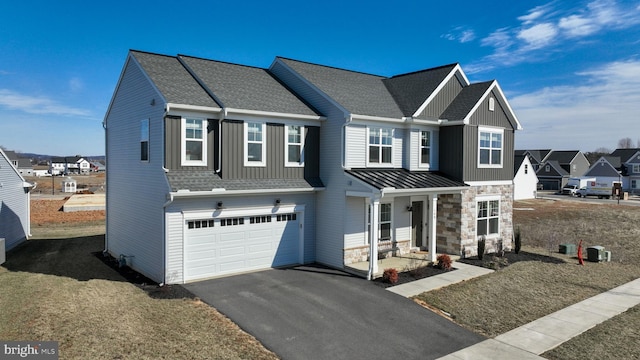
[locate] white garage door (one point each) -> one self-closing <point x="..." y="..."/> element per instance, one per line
<point x="230" y="245"/>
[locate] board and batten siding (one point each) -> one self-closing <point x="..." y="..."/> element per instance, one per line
<point x="330" y="205"/>
<point x="173" y="144"/>
<point x="175" y="223"/>
<point x="14" y="205"/>
<point x="137" y="189"/>
<point x="442" y="100"/>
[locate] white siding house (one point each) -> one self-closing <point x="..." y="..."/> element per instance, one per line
<point x="15" y="225"/>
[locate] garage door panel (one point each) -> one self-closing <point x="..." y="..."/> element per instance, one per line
<point x="219" y="250"/>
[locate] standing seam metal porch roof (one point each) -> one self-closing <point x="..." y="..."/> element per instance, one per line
<point x="404" y="179"/>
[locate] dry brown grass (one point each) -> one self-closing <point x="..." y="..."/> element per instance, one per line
<point x="527" y="290"/>
<point x="57" y="289"/>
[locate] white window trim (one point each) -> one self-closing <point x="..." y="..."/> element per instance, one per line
<point x="246" y="144"/>
<point x="183" y="141"/>
<point x="420" y="164"/>
<point x="144" y="136"/>
<point x="487" y="199"/>
<point x="380" y="146"/>
<point x="491" y="131"/>
<point x="368" y="224"/>
<point x="287" y="163"/>
<point x="635" y="168"/>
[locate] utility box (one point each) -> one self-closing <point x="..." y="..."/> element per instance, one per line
<point x="569" y="249"/>
<point x="595" y="253"/>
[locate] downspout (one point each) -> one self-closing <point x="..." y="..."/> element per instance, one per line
<point x="343" y="140"/>
<point x="223" y="115"/>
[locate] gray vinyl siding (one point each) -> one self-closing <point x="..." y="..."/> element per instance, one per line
<point x="444" y="98"/>
<point x="330" y="203"/>
<point x="497" y="118"/>
<point x="312" y="152"/>
<point x="233" y="153"/>
<point x="137" y="189"/>
<point x="175" y="224"/>
<point x="173" y="144"/>
<point x="451" y="152"/>
<point x="14" y="205"/>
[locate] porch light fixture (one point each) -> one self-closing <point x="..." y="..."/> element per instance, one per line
<point x="219" y="205"/>
<point x="277" y="202"/>
<point x="409" y="208"/>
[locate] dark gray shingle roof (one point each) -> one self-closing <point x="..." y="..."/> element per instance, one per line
<point x="602" y="168"/>
<point x="411" y="90"/>
<point x="465" y="101"/>
<point x="625" y="154"/>
<point x="562" y="156"/>
<point x="173" y="80"/>
<point x="206" y="180"/>
<point x="403" y="179"/>
<point x="245" y="87"/>
<point x="358" y="93"/>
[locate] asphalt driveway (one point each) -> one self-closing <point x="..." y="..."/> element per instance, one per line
<point x="310" y="312"/>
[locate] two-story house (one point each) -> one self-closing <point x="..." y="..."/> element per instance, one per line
<point x="69" y="165"/>
<point x="218" y="168"/>
<point x="627" y="163"/>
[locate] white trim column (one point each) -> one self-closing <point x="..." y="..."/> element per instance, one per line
<point x="433" y="217"/>
<point x="374" y="206"/>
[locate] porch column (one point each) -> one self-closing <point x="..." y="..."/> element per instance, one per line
<point x="433" y="216"/>
<point x="374" y="204"/>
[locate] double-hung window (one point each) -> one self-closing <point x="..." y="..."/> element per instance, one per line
<point x="380" y="145"/>
<point x="294" y="145"/>
<point x="635" y="168"/>
<point x="254" y="144"/>
<point x="488" y="217"/>
<point x="425" y="148"/>
<point x="490" y="146"/>
<point x="144" y="140"/>
<point x="194" y="142"/>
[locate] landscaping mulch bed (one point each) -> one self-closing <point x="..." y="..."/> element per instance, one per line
<point x="152" y="288"/>
<point x="497" y="261"/>
<point x="412" y="275"/>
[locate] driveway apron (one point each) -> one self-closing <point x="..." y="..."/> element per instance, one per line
<point x="311" y="312"/>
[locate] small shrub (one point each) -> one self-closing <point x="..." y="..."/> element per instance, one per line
<point x="481" y="244"/>
<point x="496" y="263"/>
<point x="517" y="240"/>
<point x="444" y="262"/>
<point x="390" y="275"/>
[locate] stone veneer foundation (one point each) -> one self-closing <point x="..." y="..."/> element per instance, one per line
<point x="361" y="253"/>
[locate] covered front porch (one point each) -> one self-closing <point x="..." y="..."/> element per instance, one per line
<point x="401" y="263"/>
<point x="394" y="219"/>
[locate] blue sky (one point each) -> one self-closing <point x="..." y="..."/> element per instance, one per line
<point x="571" y="70"/>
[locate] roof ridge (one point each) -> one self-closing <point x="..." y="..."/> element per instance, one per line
<point x="333" y="67"/>
<point x="424" y="70"/>
<point x="221" y="62"/>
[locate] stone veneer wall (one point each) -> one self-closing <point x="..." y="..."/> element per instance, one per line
<point x="361" y="253"/>
<point x="456" y="221"/>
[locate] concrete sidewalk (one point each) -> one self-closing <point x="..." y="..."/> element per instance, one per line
<point x="539" y="336"/>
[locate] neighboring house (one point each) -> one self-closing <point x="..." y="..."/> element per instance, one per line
<point x="23" y="165"/>
<point x="97" y="166"/>
<point x="552" y="176"/>
<point x="535" y="156"/>
<point x="69" y="165"/>
<point x="629" y="166"/>
<point x="572" y="161"/>
<point x="15" y="225"/>
<point x="218" y="168"/>
<point x="605" y="170"/>
<point x="525" y="181"/>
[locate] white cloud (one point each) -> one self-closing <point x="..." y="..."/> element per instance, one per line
<point x="460" y="34"/>
<point x="601" y="109"/>
<point x="76" y="84"/>
<point x="576" y="25"/>
<point x="538" y="36"/>
<point x="37" y="104"/>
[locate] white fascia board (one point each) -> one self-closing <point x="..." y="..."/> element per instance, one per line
<point x="270" y="114"/>
<point x="178" y="109"/>
<point x="484" y="183"/>
<point x="454" y="122"/>
<point x="415" y="121"/>
<point x="368" y="118"/>
<point x="224" y="192"/>
<point x="393" y="192"/>
<point x="456" y="71"/>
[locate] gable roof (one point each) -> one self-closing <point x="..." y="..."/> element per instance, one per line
<point x="517" y="162"/>
<point x="462" y="105"/>
<point x="602" y="167"/>
<point x="555" y="170"/>
<point x="534" y="155"/>
<point x="66" y="159"/>
<point x="13" y="168"/>
<point x="625" y="154"/>
<point x="410" y="90"/>
<point x="562" y="156"/>
<point x="358" y="93"/>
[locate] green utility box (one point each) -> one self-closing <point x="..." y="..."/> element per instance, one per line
<point x="595" y="253"/>
<point x="569" y="249"/>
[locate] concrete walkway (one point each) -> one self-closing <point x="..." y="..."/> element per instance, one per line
<point x="463" y="272"/>
<point x="532" y="339"/>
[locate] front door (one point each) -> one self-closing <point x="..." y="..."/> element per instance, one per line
<point x="416" y="225"/>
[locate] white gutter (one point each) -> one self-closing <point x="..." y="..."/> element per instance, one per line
<point x="448" y="190"/>
<point x="171" y="106"/>
<point x="273" y="114"/>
